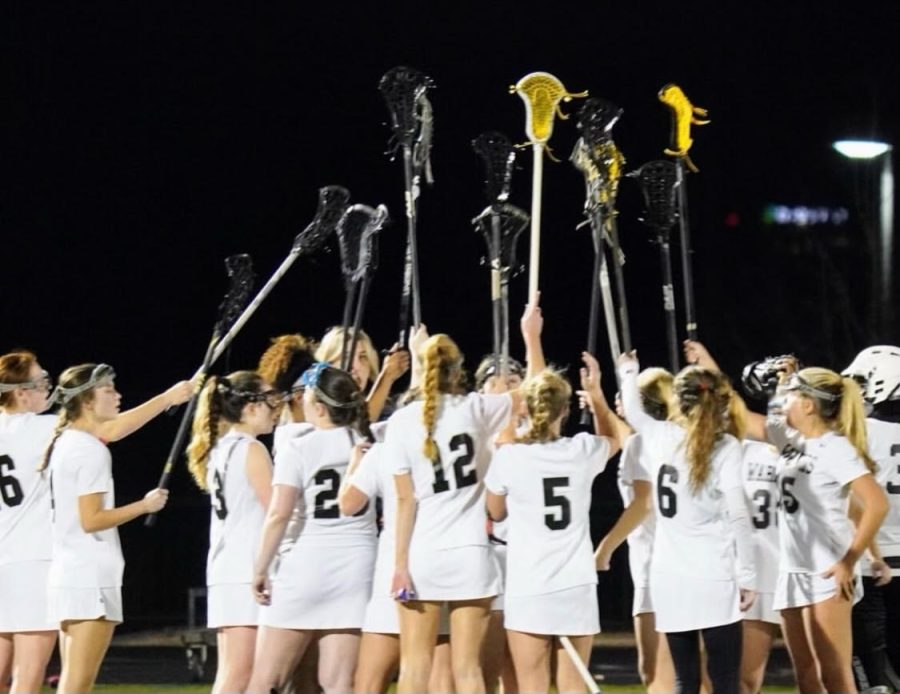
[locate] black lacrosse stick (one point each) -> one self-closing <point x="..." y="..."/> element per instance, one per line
<point x="500" y="225"/>
<point x="499" y="156"/>
<point x="332" y="203"/>
<point x="659" y="180"/>
<point x="405" y="94"/>
<point x="357" y="234"/>
<point x="240" y="284"/>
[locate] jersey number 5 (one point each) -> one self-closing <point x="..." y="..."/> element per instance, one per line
<point x="10" y="489"/>
<point x="464" y="477"/>
<point x="562" y="509"/>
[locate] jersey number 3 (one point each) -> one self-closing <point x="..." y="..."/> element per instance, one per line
<point x="10" y="489"/>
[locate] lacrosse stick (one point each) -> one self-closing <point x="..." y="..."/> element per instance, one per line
<point x="541" y="93"/>
<point x="501" y="226"/>
<point x="240" y="275"/>
<point x="684" y="114"/>
<point x="332" y="201"/>
<point x="357" y="234"/>
<point x="404" y="91"/>
<point x="658" y="180"/>
<point x="579" y="665"/>
<point x="506" y="223"/>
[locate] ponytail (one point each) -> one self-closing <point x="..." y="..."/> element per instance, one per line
<point x="204" y="432"/>
<point x="547" y="396"/>
<point x="704" y="398"/>
<point x="442" y="365"/>
<point x="62" y="421"/>
<point x="852" y="420"/>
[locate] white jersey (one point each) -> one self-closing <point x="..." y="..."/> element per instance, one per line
<point x="884" y="449"/>
<point x="640" y="540"/>
<point x="316" y="464"/>
<point x="759" y="472"/>
<point x="697" y="533"/>
<point x="284" y="433"/>
<point x="450" y="492"/>
<point x="374" y="477"/>
<point x="548" y="499"/>
<point x="815" y="531"/>
<point x="236" y="514"/>
<point x="24" y="492"/>
<point x="81" y="465"/>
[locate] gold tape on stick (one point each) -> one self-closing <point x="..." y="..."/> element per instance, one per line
<point x="684" y="115"/>
<point x="542" y="93"/>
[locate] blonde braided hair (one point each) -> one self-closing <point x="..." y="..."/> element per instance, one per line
<point x="547" y="396"/>
<point x="442" y="366"/>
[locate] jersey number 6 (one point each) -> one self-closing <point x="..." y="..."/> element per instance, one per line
<point x="10" y="489"/>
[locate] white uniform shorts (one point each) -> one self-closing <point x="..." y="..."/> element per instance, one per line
<point x="569" y="612"/>
<point x="762" y="610"/>
<point x="23" y="597"/>
<point x="802" y="589"/>
<point x="459" y="573"/>
<point x="231" y="605"/>
<point x="685" y="603"/>
<point x="66" y="604"/>
<point x="330" y="592"/>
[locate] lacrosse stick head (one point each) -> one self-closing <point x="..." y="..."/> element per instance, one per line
<point x="658" y="180"/>
<point x="403" y="89"/>
<point x="541" y="92"/>
<point x="357" y="234"/>
<point x="332" y="203"/>
<point x="512" y="221"/>
<point x="240" y="283"/>
<point x="499" y="157"/>
<point x="596" y="119"/>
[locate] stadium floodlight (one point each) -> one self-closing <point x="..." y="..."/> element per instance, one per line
<point x="861" y="149"/>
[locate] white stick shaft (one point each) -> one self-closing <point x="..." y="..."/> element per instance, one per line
<point x="536" y="191"/>
<point x="251" y="309"/>
<point x="579" y="665"/>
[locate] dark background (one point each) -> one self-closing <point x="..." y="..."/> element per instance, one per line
<point x="143" y="143"/>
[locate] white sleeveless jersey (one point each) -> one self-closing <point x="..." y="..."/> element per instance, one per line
<point x="316" y="465"/>
<point x="374" y="477"/>
<point x="759" y="471"/>
<point x="449" y="492"/>
<point x="284" y="433"/>
<point x="81" y="465"/>
<point x="24" y="492"/>
<point x="884" y="449"/>
<point x="548" y="499"/>
<point x="641" y="538"/>
<point x="815" y="531"/>
<point x="236" y="514"/>
<point x="703" y="534"/>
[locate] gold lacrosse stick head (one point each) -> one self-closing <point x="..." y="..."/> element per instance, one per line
<point x="684" y="114"/>
<point x="542" y="93"/>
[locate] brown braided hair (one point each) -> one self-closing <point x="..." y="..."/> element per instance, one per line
<point x="285" y="360"/>
<point x="704" y="397"/>
<point x="442" y="367"/>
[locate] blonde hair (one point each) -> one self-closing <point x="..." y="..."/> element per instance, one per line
<point x="657" y="393"/>
<point x="220" y="404"/>
<point x="845" y="415"/>
<point x="70" y="410"/>
<point x="329" y="350"/>
<point x="547" y="396"/>
<point x="704" y="398"/>
<point x="442" y="371"/>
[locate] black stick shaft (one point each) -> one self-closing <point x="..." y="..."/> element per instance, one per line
<point x="411" y="266"/>
<point x="668" y="293"/>
<point x="358" y="316"/>
<point x="619" y="274"/>
<point x="347" y="357"/>
<point x="687" y="270"/>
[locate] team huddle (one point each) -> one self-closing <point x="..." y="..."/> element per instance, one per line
<point x="442" y="537"/>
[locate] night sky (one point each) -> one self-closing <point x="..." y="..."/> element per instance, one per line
<point x="142" y="143"/>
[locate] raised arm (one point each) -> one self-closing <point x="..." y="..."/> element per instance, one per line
<point x="631" y="396"/>
<point x="396" y="363"/>
<point x="131" y="420"/>
<point x="606" y="422"/>
<point x="94" y="518"/>
<point x="532" y="325"/>
<point x="633" y="515"/>
<point x="351" y="499"/>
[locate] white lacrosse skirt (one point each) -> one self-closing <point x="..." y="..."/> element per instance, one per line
<point x="569" y="612"/>
<point x="329" y="589"/>
<point x="23" y="597"/>
<point x="802" y="589"/>
<point x="642" y="602"/>
<point x="761" y="610"/>
<point x="231" y="605"/>
<point x="685" y="603"/>
<point x="85" y="603"/>
<point x="500" y="554"/>
<point x="458" y="573"/>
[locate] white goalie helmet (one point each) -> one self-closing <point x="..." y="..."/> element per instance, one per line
<point x="878" y="371"/>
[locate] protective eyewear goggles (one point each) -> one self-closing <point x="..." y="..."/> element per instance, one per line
<point x="102" y="375"/>
<point x="42" y="382"/>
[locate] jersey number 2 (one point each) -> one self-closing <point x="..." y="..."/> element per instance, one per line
<point x="10" y="489"/>
<point x="464" y="477"/>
